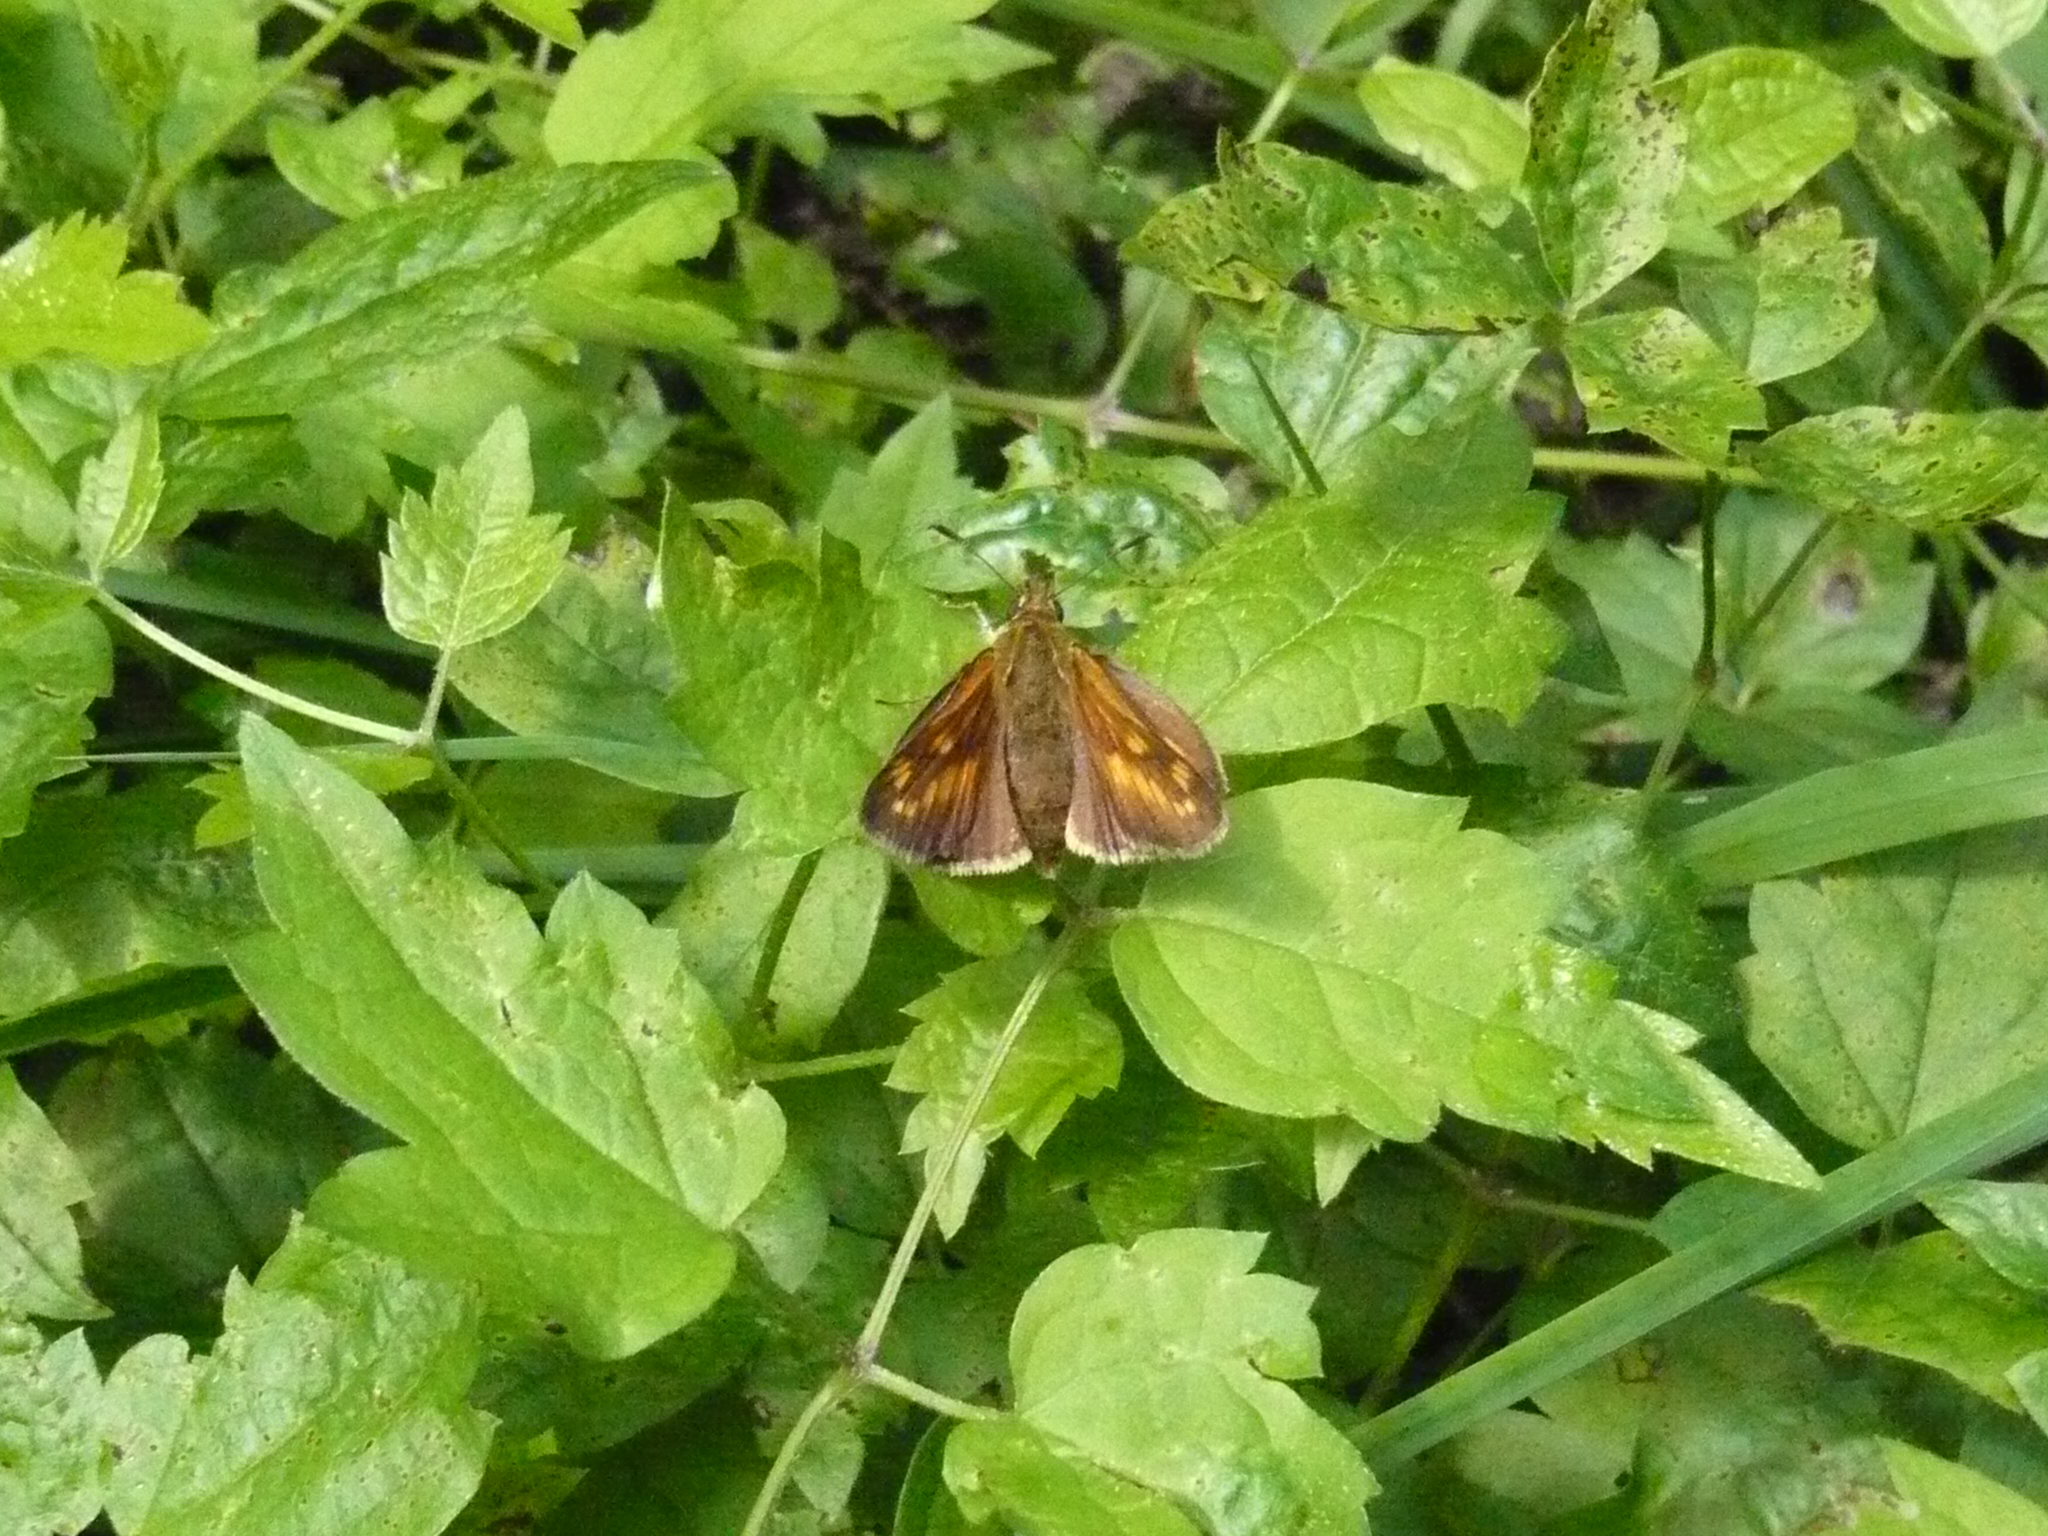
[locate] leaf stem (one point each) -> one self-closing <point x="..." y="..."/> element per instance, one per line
<point x="478" y="815"/>
<point x="862" y="1366"/>
<point x="1457" y="751"/>
<point x="437" y="690"/>
<point x="254" y="687"/>
<point x="941" y="1173"/>
<point x="1739" y="636"/>
<point x="1277" y="102"/>
<point x="1428" y="1297"/>
<point x="2020" y="591"/>
<point x="917" y="1392"/>
<point x="1085" y="414"/>
<point x="823" y="1401"/>
<point x="822" y="1066"/>
<point x="167" y="181"/>
<point x="776" y="935"/>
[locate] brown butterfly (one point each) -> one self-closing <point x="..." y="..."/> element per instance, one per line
<point x="1040" y="745"/>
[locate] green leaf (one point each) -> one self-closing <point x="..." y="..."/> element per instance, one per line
<point x="1970" y="781"/>
<point x="197" y="1153"/>
<point x="553" y="19"/>
<point x="1389" y="966"/>
<point x="473" y="560"/>
<point x="699" y="72"/>
<point x="55" y="1474"/>
<point x="589" y="1068"/>
<point x="1734" y="1408"/>
<point x="1964" y="29"/>
<point x="1929" y="1299"/>
<point x="1455" y="127"/>
<point x="409" y="286"/>
<point x="2006" y="1224"/>
<point x="98" y="889"/>
<point x="52" y="666"/>
<point x="1948" y="1497"/>
<point x="787" y="284"/>
<point x="1903" y="985"/>
<point x="592" y="665"/>
<point x="1607" y="154"/>
<point x="887" y="510"/>
<point x="1107" y="1337"/>
<point x="40" y="1268"/>
<point x="61" y="290"/>
<point x="1655" y="372"/>
<point x="797" y="680"/>
<point x="1069" y="1049"/>
<point x="1329" y="614"/>
<point x="1340" y="382"/>
<point x="1854" y="616"/>
<point x="1791" y="303"/>
<point x="723" y="917"/>
<point x="1913" y="167"/>
<point x="1041" y="1486"/>
<point x="1921" y="468"/>
<point x="1760" y="122"/>
<point x="986" y="916"/>
<point x="118" y="493"/>
<point x="1410" y="258"/>
<point x="334" y="1394"/>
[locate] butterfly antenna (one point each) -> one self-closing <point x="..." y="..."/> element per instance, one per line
<point x="994" y="569"/>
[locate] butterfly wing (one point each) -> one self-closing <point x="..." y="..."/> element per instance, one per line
<point x="943" y="797"/>
<point x="1146" y="783"/>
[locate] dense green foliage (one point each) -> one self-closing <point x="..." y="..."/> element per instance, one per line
<point x="483" y="483"/>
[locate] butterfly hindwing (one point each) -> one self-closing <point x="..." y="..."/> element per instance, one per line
<point x="943" y="797"/>
<point x="1146" y="784"/>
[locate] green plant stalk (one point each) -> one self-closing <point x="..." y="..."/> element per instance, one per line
<point x="1086" y="414"/>
<point x="862" y="1362"/>
<point x="823" y="1401"/>
<point x="478" y="815"/>
<point x="822" y="1066"/>
<point x="777" y="935"/>
<point x="1777" y="1227"/>
<point x="1704" y="669"/>
<point x="917" y="1392"/>
<point x="2021" y="592"/>
<point x="1428" y="1297"/>
<point x="151" y="201"/>
<point x="254" y="687"/>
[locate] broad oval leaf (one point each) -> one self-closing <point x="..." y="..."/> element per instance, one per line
<point x="573" y="1141"/>
<point x="592" y="666"/>
<point x="1606" y="153"/>
<point x="1760" y="122"/>
<point x="1162" y="1365"/>
<point x="335" y="1389"/>
<point x="1904" y="985"/>
<point x="441" y="273"/>
<point x="1456" y="127"/>
<point x="1964" y="29"/>
<point x="1411" y="258"/>
<point x="1796" y="299"/>
<point x="1332" y="613"/>
<point x="1654" y="371"/>
<point x="1922" y="468"/>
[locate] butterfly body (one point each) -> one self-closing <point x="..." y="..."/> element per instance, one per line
<point x="1039" y="746"/>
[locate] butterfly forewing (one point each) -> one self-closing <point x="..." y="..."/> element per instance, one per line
<point x="1146" y="783"/>
<point x="943" y="797"/>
